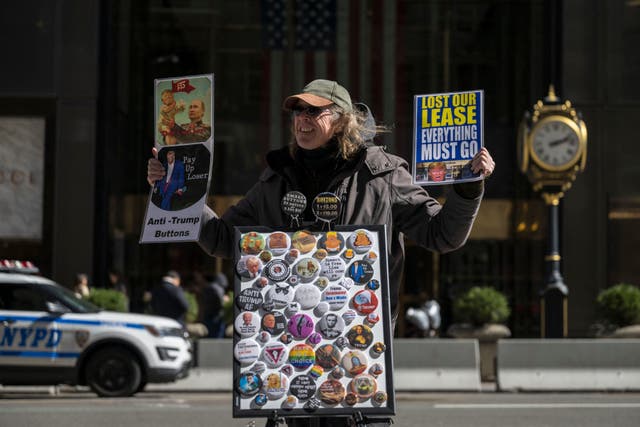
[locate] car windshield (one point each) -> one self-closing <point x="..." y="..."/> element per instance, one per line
<point x="68" y="298"/>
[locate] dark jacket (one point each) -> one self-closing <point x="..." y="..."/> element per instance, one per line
<point x="377" y="189"/>
<point x="170" y="301"/>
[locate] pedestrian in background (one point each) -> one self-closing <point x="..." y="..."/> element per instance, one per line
<point x="212" y="298"/>
<point x="168" y="298"/>
<point x="81" y="286"/>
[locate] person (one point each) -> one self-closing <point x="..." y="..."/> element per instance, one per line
<point x="116" y="281"/>
<point x="437" y="171"/>
<point x="196" y="130"/>
<point x="172" y="182"/>
<point x="81" y="287"/>
<point x="211" y="302"/>
<point x="168" y="298"/>
<point x="168" y="111"/>
<point x="332" y="150"/>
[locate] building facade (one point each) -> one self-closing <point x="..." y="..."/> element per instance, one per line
<point x="76" y="121"/>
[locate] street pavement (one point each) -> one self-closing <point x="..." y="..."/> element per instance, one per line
<point x="70" y="407"/>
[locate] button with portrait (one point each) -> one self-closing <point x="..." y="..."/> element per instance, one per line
<point x="260" y="399"/>
<point x="248" y="383"/>
<point x="361" y="241"/>
<point x="332" y="242"/>
<point x="303" y="387"/>
<point x="274" y="354"/>
<point x="249" y="299"/>
<point x="300" y="325"/>
<point x="275" y="385"/>
<point x="376" y="369"/>
<point x="281" y="294"/>
<point x="274" y="322"/>
<point x="361" y="272"/>
<point x="265" y="256"/>
<point x="314" y="338"/>
<point x="331" y="325"/>
<point x="328" y="356"/>
<point x="363" y="385"/>
<point x="360" y="336"/>
<point x="354" y="362"/>
<point x="246" y="351"/>
<point x="331" y="392"/>
<point x="249" y="267"/>
<point x="252" y="243"/>
<point x="301" y="356"/>
<point x="278" y="242"/>
<point x="290" y="402"/>
<point x="247" y="324"/>
<point x="365" y="301"/>
<point x="333" y="268"/>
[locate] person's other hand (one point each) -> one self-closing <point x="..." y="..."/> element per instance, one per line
<point x="155" y="170"/>
<point x="179" y="192"/>
<point x="483" y="162"/>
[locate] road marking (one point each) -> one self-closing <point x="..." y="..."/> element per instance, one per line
<point x="534" y="405"/>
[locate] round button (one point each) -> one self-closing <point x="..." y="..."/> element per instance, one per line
<point x="287" y="369"/>
<point x="249" y="299"/>
<point x="314" y="338"/>
<point x="290" y="402"/>
<point x="286" y="338"/>
<point x="304" y="241"/>
<point x="260" y="399"/>
<point x="351" y="398"/>
<point x="361" y="241"/>
<point x="321" y="308"/>
<point x="380" y="397"/>
<point x="373" y="285"/>
<point x="246" y="351"/>
<point x="278" y="243"/>
<point x="365" y="301"/>
<point x="293" y="203"/>
<point x="248" y="383"/>
<point x="316" y="371"/>
<point x="360" y="336"/>
<point x="354" y="362"/>
<point x="307" y="295"/>
<point x="247" y="324"/>
<point x="303" y="387"/>
<point x="361" y="272"/>
<point x="341" y="342"/>
<point x="376" y="369"/>
<point x="274" y="322"/>
<point x="274" y="354"/>
<point x="321" y="254"/>
<point x="332" y="242"/>
<point x="349" y="316"/>
<point x="281" y="294"/>
<point x="328" y="356"/>
<point x="331" y="325"/>
<point x="249" y="267"/>
<point x="331" y="392"/>
<point x="261" y="282"/>
<point x="277" y="270"/>
<point x="307" y="269"/>
<point x="263" y="337"/>
<point x="291" y="256"/>
<point x="258" y="368"/>
<point x="322" y="282"/>
<point x="364" y="385"/>
<point x="300" y="326"/>
<point x="292" y="308"/>
<point x="326" y="206"/>
<point x="301" y="356"/>
<point x="333" y="268"/>
<point x="373" y="318"/>
<point x="275" y="385"/>
<point x="378" y="348"/>
<point x="338" y="372"/>
<point x="252" y="243"/>
<point x="336" y="296"/>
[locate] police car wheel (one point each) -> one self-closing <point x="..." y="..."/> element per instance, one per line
<point x="113" y="372"/>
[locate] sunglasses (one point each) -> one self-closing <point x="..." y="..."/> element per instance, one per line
<point x="310" y="111"/>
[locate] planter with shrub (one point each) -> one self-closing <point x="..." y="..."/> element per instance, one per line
<point x="108" y="299"/>
<point x="480" y="313"/>
<point x="619" y="310"/>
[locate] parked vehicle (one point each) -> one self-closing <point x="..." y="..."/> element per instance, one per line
<point x="48" y="336"/>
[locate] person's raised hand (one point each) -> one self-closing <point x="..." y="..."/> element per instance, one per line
<point x="483" y="162"/>
<point x="155" y="170"/>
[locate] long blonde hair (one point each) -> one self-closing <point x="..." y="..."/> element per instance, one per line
<point x="350" y="128"/>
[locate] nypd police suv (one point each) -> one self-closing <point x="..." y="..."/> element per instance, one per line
<point x="48" y="337"/>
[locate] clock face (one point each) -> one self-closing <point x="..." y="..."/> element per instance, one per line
<point x="555" y="143"/>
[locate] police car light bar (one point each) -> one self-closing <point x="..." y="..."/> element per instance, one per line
<point x="15" y="266"/>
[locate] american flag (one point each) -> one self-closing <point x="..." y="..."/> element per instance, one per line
<point x="354" y="42"/>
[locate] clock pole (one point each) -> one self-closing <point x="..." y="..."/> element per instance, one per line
<point x="552" y="149"/>
<point x="554" y="297"/>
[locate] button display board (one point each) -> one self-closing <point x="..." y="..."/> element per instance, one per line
<point x="329" y="337"/>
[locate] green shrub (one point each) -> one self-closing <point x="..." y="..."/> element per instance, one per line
<point x="620" y="305"/>
<point x="192" y="311"/>
<point x="480" y="305"/>
<point x="108" y="299"/>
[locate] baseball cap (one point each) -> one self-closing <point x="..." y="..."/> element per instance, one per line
<point x="321" y="93"/>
